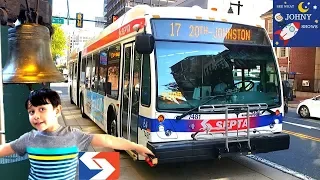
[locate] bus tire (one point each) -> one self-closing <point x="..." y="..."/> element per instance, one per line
<point x="83" y="114"/>
<point x="70" y="95"/>
<point x="112" y="122"/>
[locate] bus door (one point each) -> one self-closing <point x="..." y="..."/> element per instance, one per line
<point x="74" y="83"/>
<point x="131" y="93"/>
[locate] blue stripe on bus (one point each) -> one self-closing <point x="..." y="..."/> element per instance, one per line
<point x="152" y="125"/>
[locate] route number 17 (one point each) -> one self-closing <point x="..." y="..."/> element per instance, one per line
<point x="175" y="27"/>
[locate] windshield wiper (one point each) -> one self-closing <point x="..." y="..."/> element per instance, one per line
<point x="195" y="108"/>
<point x="270" y="111"/>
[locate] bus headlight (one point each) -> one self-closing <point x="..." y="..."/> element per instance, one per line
<point x="168" y="132"/>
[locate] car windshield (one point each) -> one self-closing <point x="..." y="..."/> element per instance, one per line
<point x="190" y="73"/>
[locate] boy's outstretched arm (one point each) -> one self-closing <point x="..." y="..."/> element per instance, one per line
<point x="104" y="140"/>
<point x="6" y="150"/>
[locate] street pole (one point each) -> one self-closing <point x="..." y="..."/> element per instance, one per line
<point x="69" y="36"/>
<point x="238" y="4"/>
<point x="68" y="13"/>
<point x="2" y="125"/>
<point x="288" y="68"/>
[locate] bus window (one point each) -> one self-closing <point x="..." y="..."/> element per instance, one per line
<point x="70" y="70"/>
<point x="83" y="70"/>
<point x="95" y="73"/>
<point x="146" y="81"/>
<point x="88" y="71"/>
<point x="113" y="73"/>
<point x="136" y="83"/>
<point x="75" y="71"/>
<point x="103" y="68"/>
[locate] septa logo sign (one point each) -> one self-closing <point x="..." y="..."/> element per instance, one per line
<point x="296" y="23"/>
<point x="99" y="165"/>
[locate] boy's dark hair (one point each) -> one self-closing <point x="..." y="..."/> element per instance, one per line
<point x="43" y="96"/>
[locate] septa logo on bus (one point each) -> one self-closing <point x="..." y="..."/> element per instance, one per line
<point x="214" y="125"/>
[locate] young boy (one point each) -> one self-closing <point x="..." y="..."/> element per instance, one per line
<point x="53" y="149"/>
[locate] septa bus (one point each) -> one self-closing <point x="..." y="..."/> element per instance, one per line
<point x="188" y="83"/>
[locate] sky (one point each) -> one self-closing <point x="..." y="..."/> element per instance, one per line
<point x="94" y="8"/>
<point x="89" y="8"/>
<point x="250" y="8"/>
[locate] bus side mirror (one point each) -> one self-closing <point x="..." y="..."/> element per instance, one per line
<point x="144" y="43"/>
<point x="108" y="88"/>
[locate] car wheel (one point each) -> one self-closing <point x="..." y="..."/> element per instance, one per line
<point x="304" y="112"/>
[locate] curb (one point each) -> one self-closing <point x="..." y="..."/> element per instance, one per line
<point x="63" y="118"/>
<point x="292" y="105"/>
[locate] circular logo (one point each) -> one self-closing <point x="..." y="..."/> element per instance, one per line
<point x="278" y="17"/>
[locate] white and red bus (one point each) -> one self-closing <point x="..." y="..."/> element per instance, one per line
<point x="186" y="82"/>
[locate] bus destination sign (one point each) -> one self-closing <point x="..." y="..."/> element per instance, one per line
<point x="207" y="31"/>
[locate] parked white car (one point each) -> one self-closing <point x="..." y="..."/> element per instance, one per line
<point x="309" y="107"/>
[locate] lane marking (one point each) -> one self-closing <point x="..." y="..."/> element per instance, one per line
<point x="292" y="117"/>
<point x="300" y="119"/>
<point x="281" y="168"/>
<point x="303" y="136"/>
<point x="302" y="125"/>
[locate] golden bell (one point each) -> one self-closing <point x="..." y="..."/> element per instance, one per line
<point x="30" y="59"/>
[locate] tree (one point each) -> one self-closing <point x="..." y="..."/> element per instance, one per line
<point x="58" y="43"/>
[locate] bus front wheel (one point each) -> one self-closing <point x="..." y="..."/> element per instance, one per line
<point x="112" y="124"/>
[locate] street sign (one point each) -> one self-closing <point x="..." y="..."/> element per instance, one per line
<point x="57" y="21"/>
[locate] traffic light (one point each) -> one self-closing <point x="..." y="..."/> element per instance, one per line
<point x="79" y="19"/>
<point x="114" y="18"/>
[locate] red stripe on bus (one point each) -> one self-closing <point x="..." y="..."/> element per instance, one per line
<point x="122" y="31"/>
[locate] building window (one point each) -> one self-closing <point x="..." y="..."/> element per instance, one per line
<point x="283" y="51"/>
<point x="270" y="26"/>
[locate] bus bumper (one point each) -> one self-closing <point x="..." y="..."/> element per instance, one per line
<point x="167" y="152"/>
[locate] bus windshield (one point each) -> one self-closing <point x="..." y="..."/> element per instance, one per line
<point x="189" y="73"/>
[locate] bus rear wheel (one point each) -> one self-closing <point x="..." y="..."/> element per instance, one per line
<point x="70" y="95"/>
<point x="83" y="114"/>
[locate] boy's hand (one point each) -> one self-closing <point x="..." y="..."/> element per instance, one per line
<point x="142" y="150"/>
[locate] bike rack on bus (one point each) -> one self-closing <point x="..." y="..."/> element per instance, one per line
<point x="237" y="109"/>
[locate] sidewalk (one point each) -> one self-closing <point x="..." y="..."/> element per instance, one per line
<point x="295" y="102"/>
<point x="71" y="116"/>
<point x="300" y="96"/>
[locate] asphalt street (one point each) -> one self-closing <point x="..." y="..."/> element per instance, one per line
<point x="303" y="155"/>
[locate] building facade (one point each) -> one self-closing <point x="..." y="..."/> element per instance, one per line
<point x="119" y="7"/>
<point x="298" y="64"/>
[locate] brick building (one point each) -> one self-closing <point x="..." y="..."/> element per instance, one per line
<point x="303" y="62"/>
